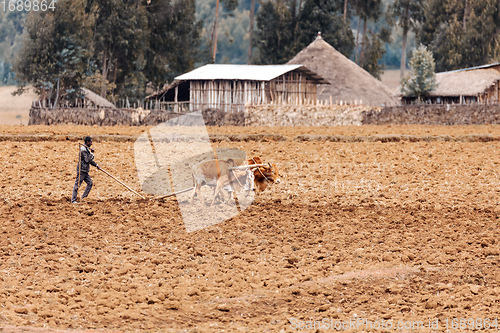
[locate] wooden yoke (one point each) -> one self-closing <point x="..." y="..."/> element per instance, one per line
<point x="246" y="167"/>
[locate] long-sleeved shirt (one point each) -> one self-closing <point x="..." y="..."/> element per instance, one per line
<point x="86" y="159"/>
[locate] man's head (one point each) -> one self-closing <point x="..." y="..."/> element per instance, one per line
<point x="88" y="141"/>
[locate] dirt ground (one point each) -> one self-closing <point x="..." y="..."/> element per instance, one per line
<point x="404" y="233"/>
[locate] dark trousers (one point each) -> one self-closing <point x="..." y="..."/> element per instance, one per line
<point x="84" y="177"/>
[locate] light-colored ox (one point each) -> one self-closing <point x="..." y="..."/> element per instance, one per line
<point x="218" y="173"/>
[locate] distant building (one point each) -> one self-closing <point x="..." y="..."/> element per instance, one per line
<point x="230" y="87"/>
<point x="348" y="82"/>
<point x="93" y="100"/>
<point x="479" y="85"/>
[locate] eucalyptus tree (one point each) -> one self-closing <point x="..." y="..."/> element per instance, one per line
<point x="367" y="10"/>
<point x="276" y="32"/>
<point x="173" y="40"/>
<point x="56" y="54"/>
<point x="11" y="34"/>
<point x="285" y="27"/>
<point x="114" y="47"/>
<point x="461" y="33"/>
<point x="325" y="16"/>
<point x="120" y="42"/>
<point x="408" y="14"/>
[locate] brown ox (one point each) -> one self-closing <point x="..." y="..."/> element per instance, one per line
<point x="264" y="175"/>
<point x="217" y="173"/>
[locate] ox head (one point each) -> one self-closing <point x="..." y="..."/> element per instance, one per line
<point x="264" y="175"/>
<point x="271" y="173"/>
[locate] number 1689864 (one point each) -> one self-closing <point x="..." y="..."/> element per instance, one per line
<point x="27" y="5"/>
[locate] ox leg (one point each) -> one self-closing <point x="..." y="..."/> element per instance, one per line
<point x="196" y="191"/>
<point x="217" y="192"/>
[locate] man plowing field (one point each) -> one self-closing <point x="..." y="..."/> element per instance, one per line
<point x="85" y="160"/>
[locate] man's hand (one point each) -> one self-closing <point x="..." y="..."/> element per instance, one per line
<point x="98" y="167"/>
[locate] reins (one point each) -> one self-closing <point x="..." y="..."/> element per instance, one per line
<point x="232" y="171"/>
<point x="267" y="180"/>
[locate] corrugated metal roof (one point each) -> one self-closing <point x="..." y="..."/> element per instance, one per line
<point x="245" y="72"/>
<point x="473" y="68"/>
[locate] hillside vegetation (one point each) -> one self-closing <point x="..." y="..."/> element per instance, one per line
<point x="123" y="49"/>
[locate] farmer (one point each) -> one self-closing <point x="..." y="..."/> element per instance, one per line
<point x="86" y="159"/>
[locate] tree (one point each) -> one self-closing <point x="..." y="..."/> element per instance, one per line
<point x="11" y="34"/>
<point x="250" y="32"/>
<point x="116" y="47"/>
<point x="461" y="33"/>
<point x="55" y="57"/>
<point x="325" y="16"/>
<point x="120" y="42"/>
<point x="285" y="27"/>
<point x="3" y="73"/>
<point x="275" y="33"/>
<point x="174" y="40"/>
<point x="408" y="13"/>
<point x="367" y="10"/>
<point x="422" y="78"/>
<point x="229" y="5"/>
<point x="233" y="38"/>
<point x="374" y="51"/>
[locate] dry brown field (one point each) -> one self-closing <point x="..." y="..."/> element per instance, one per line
<point x="391" y="232"/>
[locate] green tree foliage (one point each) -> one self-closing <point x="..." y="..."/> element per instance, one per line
<point x="408" y="14"/>
<point x="233" y="31"/>
<point x="120" y="43"/>
<point x="370" y="47"/>
<point x="230" y="5"/>
<point x="55" y="57"/>
<point x="461" y="33"/>
<point x="233" y="38"/>
<point x="174" y="40"/>
<point x="284" y="28"/>
<point x="374" y="51"/>
<point x="367" y="10"/>
<point x="422" y="78"/>
<point x="276" y="32"/>
<point x="325" y="16"/>
<point x="125" y="44"/>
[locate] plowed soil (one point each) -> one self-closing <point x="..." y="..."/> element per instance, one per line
<point x="391" y="232"/>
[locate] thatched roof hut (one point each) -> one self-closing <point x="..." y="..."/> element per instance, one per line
<point x="96" y="100"/>
<point x="348" y="82"/>
<point x="470" y="85"/>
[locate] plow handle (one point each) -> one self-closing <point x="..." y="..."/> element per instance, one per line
<point x="119" y="181"/>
